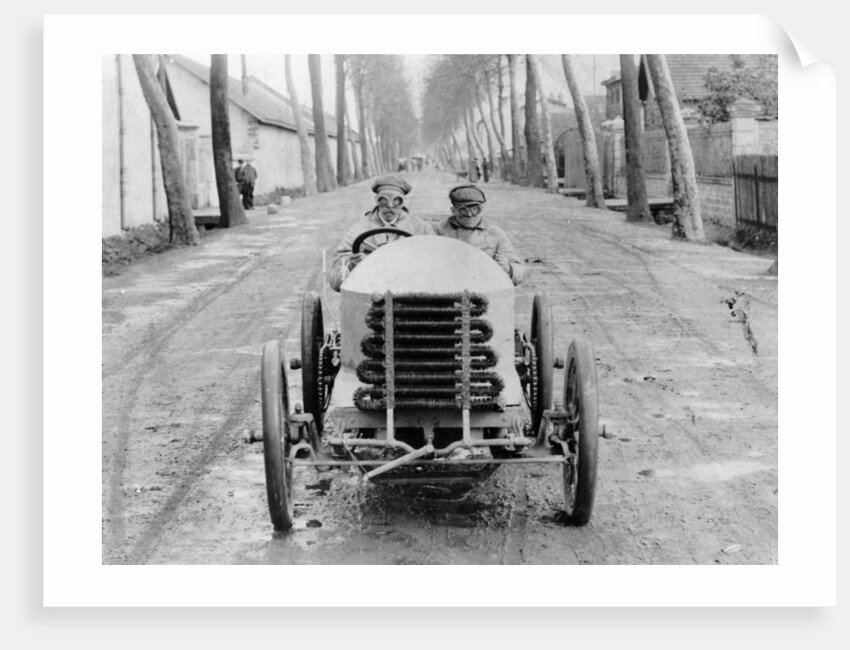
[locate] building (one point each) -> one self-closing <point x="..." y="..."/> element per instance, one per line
<point x="262" y="129"/>
<point x="569" y="154"/>
<point x="714" y="145"/>
<point x="688" y="72"/>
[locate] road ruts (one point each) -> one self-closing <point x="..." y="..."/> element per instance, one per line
<point x="200" y="308"/>
<point x="688" y="468"/>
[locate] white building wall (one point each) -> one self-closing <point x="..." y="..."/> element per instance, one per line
<point x="144" y="198"/>
<point x="274" y="151"/>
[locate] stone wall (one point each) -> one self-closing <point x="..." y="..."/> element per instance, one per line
<point x="769" y="137"/>
<point x="657" y="185"/>
<point x="713" y="147"/>
<point x="717" y="200"/>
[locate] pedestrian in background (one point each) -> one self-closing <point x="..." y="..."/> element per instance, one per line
<point x="249" y="177"/>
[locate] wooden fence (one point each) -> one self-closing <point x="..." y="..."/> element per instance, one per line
<point x="756" y="191"/>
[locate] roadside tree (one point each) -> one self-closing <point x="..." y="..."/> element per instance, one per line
<point x="325" y="180"/>
<point x="307" y="168"/>
<point x="548" y="144"/>
<point x="638" y="203"/>
<point x="592" y="173"/>
<point x="181" y="219"/>
<point x="534" y="156"/>
<point x="519" y="154"/>
<point x="687" y="218"/>
<point x="342" y="162"/>
<point x="229" y="201"/>
<point x="495" y="69"/>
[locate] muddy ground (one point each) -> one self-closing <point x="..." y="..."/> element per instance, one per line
<point x="685" y="337"/>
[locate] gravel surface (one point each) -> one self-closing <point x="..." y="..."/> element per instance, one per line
<point x="685" y="337"/>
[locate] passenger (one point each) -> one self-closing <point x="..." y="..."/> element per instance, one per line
<point x="467" y="224"/>
<point x="389" y="211"/>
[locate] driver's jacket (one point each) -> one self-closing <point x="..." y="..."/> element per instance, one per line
<point x="489" y="238"/>
<point x="406" y="221"/>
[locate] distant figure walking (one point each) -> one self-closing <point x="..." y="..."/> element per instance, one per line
<point x="249" y="177"/>
<point x="485" y="167"/>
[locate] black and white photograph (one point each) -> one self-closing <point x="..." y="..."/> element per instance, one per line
<point x="440" y="313"/>
<point x="440" y="309"/>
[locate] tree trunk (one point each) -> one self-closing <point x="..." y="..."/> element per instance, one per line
<point x="229" y="201"/>
<point x="479" y="148"/>
<point x="365" y="167"/>
<point x="687" y="219"/>
<point x="592" y="174"/>
<point x="500" y="87"/>
<point x="307" y="168"/>
<point x="487" y="128"/>
<point x="458" y="150"/>
<point x="377" y="167"/>
<point x="342" y="164"/>
<point x="534" y="176"/>
<point x="472" y="176"/>
<point x="638" y="207"/>
<point x="352" y="147"/>
<point x="183" y="230"/>
<point x="498" y="130"/>
<point x="383" y="152"/>
<point x="325" y="180"/>
<point x="548" y="144"/>
<point x="449" y="155"/>
<point x="518" y="157"/>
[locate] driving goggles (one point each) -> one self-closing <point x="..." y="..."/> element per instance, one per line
<point x="471" y="210"/>
<point x="385" y="201"/>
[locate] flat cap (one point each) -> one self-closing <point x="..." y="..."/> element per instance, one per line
<point x="393" y="182"/>
<point x="466" y="194"/>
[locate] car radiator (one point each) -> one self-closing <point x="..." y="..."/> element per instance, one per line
<point x="428" y="351"/>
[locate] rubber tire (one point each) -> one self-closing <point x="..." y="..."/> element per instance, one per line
<point x="312" y="339"/>
<point x="581" y="386"/>
<point x="392" y="230"/>
<point x="275" y="405"/>
<point x="542" y="339"/>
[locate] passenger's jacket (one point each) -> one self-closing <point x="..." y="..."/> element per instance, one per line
<point x="371" y="220"/>
<point x="489" y="238"/>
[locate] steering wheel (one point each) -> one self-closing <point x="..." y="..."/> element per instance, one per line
<point x="358" y="241"/>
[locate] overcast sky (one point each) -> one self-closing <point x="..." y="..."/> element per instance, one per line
<point x="591" y="70"/>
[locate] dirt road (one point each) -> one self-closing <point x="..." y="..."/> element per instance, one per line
<point x="687" y="392"/>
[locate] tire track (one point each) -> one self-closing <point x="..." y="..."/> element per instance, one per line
<point x="147" y="354"/>
<point x="150" y="534"/>
<point x="706" y="448"/>
<point x="181" y="315"/>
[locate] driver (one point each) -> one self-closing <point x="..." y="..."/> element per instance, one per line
<point x="467" y="224"/>
<point x="389" y="211"/>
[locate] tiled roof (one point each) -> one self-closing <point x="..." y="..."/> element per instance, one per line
<point x="688" y="71"/>
<point x="263" y="102"/>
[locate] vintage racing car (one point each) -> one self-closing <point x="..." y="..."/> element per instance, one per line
<point x="427" y="380"/>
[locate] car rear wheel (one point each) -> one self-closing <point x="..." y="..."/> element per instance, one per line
<point x="275" y="404"/>
<point x="582" y="433"/>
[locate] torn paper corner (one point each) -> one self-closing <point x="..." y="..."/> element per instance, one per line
<point x="794" y="47"/>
